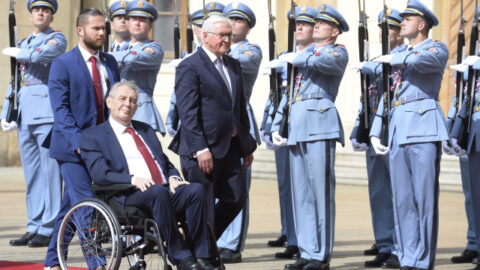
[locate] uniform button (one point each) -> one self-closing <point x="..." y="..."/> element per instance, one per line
<point x="46" y="95"/>
<point x="420" y="111"/>
<point x="322" y="109"/>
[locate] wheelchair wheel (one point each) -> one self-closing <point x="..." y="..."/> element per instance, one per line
<point x="89" y="236"/>
<point x="150" y="253"/>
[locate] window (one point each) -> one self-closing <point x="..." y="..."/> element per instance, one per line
<point x="163" y="26"/>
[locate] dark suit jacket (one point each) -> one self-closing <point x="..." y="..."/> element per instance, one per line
<point x="207" y="111"/>
<point x="73" y="101"/>
<point x="104" y="158"/>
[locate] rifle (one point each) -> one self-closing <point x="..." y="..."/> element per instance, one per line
<point x="12" y="110"/>
<point x="469" y="96"/>
<point x="385" y="75"/>
<point x="204" y="11"/>
<point x="176" y="33"/>
<point x="363" y="129"/>
<point x="189" y="30"/>
<point x="460" y="56"/>
<point x="108" y="31"/>
<point x="290" y="72"/>
<point x="274" y="91"/>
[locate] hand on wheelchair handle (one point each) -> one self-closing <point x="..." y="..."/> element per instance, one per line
<point x="143" y="183"/>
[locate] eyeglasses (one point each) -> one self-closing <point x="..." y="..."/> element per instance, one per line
<point x="222" y="35"/>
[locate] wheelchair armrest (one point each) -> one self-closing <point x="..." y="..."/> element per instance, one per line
<point x="115" y="188"/>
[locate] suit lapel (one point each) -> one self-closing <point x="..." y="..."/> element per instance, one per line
<point x="213" y="70"/>
<point x="84" y="69"/>
<point x="115" y="148"/>
<point x="233" y="77"/>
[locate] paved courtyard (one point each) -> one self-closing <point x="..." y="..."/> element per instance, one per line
<point x="353" y="226"/>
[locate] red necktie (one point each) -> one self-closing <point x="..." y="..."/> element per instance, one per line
<point x="152" y="166"/>
<point x="97" y="86"/>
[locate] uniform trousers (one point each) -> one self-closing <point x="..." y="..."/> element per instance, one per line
<point x="381" y="206"/>
<point x="313" y="194"/>
<point x="42" y="179"/>
<point x="414" y="170"/>
<point x="473" y="165"/>
<point x="471" y="241"/>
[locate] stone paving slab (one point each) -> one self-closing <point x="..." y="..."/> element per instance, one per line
<point x="353" y="226"/>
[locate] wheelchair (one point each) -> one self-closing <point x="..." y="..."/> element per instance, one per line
<point x="100" y="232"/>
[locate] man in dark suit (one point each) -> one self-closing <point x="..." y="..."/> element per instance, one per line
<point x="122" y="151"/>
<point x="215" y="133"/>
<point x="77" y="83"/>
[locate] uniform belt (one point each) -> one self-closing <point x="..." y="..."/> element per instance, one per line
<point x="411" y="98"/>
<point x="34" y="82"/>
<point x="311" y="96"/>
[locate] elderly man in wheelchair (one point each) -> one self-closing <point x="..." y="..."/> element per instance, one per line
<point x="142" y="200"/>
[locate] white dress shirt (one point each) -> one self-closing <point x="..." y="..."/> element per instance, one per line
<point x="135" y="161"/>
<point x="100" y="66"/>
<point x="214" y="58"/>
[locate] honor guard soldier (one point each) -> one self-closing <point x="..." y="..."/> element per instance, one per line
<point x="118" y="18"/>
<point x="141" y="61"/>
<point x="379" y="186"/>
<point x="232" y="241"/>
<point x="304" y="24"/>
<point x="42" y="175"/>
<point x="313" y="129"/>
<point x="472" y="151"/>
<point x="471" y="250"/>
<point x="212" y="9"/>
<point x="416" y="130"/>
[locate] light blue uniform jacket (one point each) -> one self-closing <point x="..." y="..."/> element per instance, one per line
<point x="141" y="64"/>
<point x="422" y="119"/>
<point x="35" y="59"/>
<point x="314" y="119"/>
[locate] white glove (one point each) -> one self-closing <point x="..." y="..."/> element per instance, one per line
<point x="174" y="63"/>
<point x="460" y="67"/>
<point x="384" y="58"/>
<point x="273" y="64"/>
<point x="288" y="57"/>
<point x="11" y="51"/>
<point x="359" y="147"/>
<point x="470" y="60"/>
<point x="8" y="126"/>
<point x="379" y="148"/>
<point x="278" y="140"/>
<point x="357" y="66"/>
<point x="457" y="150"/>
<point x="268" y="141"/>
<point x="171" y="131"/>
<point x="447" y="149"/>
<point x="267" y="71"/>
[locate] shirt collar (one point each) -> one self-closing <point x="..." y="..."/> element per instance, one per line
<point x="210" y="54"/>
<point x="86" y="55"/>
<point x="117" y="127"/>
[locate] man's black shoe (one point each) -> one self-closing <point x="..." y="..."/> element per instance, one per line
<point x="280" y="242"/>
<point x="392" y="262"/>
<point x="22" y="241"/>
<point x="289" y="253"/>
<point x="209" y="264"/>
<point x="230" y="256"/>
<point x="379" y="259"/>
<point x="298" y="265"/>
<point x="39" y="241"/>
<point x="189" y="264"/>
<point x="477" y="267"/>
<point x="316" y="265"/>
<point x="467" y="256"/>
<point x="371" y="251"/>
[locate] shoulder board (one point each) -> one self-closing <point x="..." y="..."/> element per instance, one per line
<point x="339" y="45"/>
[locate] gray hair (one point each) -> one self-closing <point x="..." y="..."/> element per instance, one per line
<point x="129" y="84"/>
<point x="209" y="24"/>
